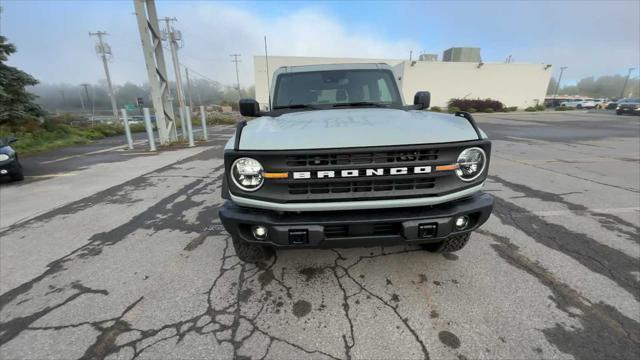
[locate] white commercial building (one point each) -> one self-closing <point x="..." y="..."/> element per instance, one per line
<point x="514" y="84"/>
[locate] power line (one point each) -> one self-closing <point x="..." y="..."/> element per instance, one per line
<point x="197" y="73"/>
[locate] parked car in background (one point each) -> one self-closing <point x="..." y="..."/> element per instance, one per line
<point x="601" y="103"/>
<point x="9" y="164"/>
<point x="586" y="104"/>
<point x="571" y="103"/>
<point x="628" y="106"/>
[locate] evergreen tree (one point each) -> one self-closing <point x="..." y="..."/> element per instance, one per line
<point x="16" y="104"/>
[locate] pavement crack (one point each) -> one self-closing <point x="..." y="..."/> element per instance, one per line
<point x="597" y="257"/>
<point x="601" y="323"/>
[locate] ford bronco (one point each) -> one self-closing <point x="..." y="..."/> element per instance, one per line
<point x="339" y="160"/>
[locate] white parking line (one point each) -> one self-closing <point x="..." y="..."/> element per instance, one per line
<point x="89" y="153"/>
<point x="547" y="213"/>
<point x="48" y="175"/>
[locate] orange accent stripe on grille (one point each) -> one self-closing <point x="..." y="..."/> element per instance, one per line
<point x="447" y="167"/>
<point x="275" y="175"/>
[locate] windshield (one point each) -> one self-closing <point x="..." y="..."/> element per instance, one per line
<point x="336" y="87"/>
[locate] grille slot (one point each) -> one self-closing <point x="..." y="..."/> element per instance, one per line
<point x="386" y="229"/>
<point x="336" y="187"/>
<point x="336" y="231"/>
<point x="362" y="158"/>
<point x="379" y="229"/>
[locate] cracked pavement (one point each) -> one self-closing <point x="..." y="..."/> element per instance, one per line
<point x="142" y="268"/>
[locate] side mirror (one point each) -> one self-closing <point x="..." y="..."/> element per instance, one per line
<point x="422" y="99"/>
<point x="11" y="139"/>
<point x="249" y="107"/>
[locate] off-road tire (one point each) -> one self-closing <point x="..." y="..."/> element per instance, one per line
<point x="451" y="244"/>
<point x="251" y="253"/>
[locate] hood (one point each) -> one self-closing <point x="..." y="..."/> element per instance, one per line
<point x="345" y="128"/>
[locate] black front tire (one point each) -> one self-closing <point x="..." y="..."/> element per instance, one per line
<point x="451" y="244"/>
<point x="251" y="253"/>
<point x="618" y="112"/>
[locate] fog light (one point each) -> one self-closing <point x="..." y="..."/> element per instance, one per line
<point x="462" y="222"/>
<point x="3" y="171"/>
<point x="259" y="232"/>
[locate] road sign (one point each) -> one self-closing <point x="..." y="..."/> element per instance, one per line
<point x="130" y="107"/>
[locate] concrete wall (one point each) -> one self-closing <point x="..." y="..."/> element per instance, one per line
<point x="514" y="84"/>
<point x="520" y="85"/>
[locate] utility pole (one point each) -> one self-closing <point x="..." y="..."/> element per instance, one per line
<point x="64" y="99"/>
<point x="555" y="93"/>
<point x="186" y="70"/>
<point x="81" y="100"/>
<point x="150" y="36"/>
<point x="173" y="37"/>
<point x="103" y="49"/>
<point x="624" y="87"/>
<point x="86" y="92"/>
<point x="235" y="60"/>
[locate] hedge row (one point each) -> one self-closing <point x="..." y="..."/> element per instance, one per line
<point x="475" y="104"/>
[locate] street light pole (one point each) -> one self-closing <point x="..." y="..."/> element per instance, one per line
<point x="624" y="87"/>
<point x="555" y="93"/>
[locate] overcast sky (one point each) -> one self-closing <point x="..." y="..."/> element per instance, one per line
<point x="591" y="37"/>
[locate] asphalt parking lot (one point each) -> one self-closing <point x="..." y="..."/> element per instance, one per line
<point x="126" y="258"/>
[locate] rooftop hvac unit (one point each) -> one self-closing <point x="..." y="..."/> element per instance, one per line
<point x="428" y="57"/>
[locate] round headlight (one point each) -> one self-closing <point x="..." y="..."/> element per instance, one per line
<point x="4" y="157"/>
<point x="471" y="163"/>
<point x="247" y="174"/>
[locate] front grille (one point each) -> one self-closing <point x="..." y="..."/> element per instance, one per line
<point x="345" y="176"/>
<point x="331" y="187"/>
<point x="362" y="158"/>
<point x="378" y="229"/>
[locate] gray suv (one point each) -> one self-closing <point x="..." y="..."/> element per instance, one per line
<point x="339" y="160"/>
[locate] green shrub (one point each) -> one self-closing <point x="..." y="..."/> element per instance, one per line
<point x="219" y="118"/>
<point x="561" y="108"/>
<point x="530" y="109"/>
<point x="452" y="109"/>
<point x="472" y="110"/>
<point x="488" y="110"/>
<point x="512" y="108"/>
<point x="138" y="127"/>
<point x="540" y="108"/>
<point x="435" y="109"/>
<point x="467" y="104"/>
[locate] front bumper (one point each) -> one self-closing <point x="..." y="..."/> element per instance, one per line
<point x="9" y="167"/>
<point x="357" y="227"/>
<point x="627" y="110"/>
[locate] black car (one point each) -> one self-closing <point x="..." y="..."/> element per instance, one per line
<point x="628" y="106"/>
<point x="9" y="164"/>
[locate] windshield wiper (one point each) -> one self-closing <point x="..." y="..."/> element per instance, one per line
<point x="360" y="103"/>
<point x="296" y="106"/>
